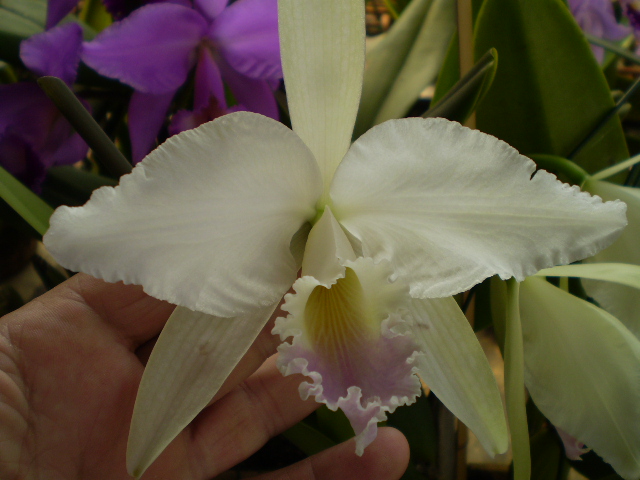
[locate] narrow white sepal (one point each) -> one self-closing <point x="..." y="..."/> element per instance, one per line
<point x="456" y="369"/>
<point x="322" y="47"/>
<point x="192" y="358"/>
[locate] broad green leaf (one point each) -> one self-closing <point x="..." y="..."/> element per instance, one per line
<point x="514" y="385"/>
<point x="26" y="203"/>
<point x="461" y="100"/>
<point x="538" y="101"/>
<point x="404" y="63"/>
<point x="581" y="369"/>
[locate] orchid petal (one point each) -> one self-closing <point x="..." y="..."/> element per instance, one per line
<point x="210" y="8"/>
<point x="208" y="81"/>
<point x="622" y="302"/>
<point x="147" y="113"/>
<point x="326" y="250"/>
<point x="456" y="369"/>
<point x="192" y="358"/>
<point x="246" y="34"/>
<point x="205" y="221"/>
<point x="322" y="46"/>
<point x="256" y="95"/>
<point x="55" y="52"/>
<point x="345" y="338"/>
<point x="57" y="10"/>
<point x="151" y="50"/>
<point x="450" y="206"/>
<point x="581" y="369"/>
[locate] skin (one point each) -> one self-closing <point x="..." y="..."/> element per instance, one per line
<point x="70" y="365"/>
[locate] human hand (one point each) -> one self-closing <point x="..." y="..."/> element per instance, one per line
<point x="70" y="365"/>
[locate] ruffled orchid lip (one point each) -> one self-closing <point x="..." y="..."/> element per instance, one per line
<point x="345" y="342"/>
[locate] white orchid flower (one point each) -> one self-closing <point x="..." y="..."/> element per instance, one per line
<point x="216" y="219"/>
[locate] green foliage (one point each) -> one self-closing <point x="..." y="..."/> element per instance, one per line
<point x="405" y="62"/>
<point x="19" y="19"/>
<point x="26" y="203"/>
<point x="461" y="100"/>
<point x="548" y="93"/>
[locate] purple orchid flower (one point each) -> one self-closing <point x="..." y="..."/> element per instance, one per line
<point x="154" y="49"/>
<point x="597" y="17"/>
<point x="33" y="134"/>
<point x="58" y="9"/>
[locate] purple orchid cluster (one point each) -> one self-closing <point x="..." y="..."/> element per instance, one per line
<point x="598" y="18"/>
<point x="34" y="136"/>
<point x="223" y="56"/>
<point x="155" y="48"/>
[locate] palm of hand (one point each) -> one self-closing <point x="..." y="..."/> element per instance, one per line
<point x="70" y="366"/>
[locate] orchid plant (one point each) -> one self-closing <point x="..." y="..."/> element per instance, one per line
<point x="34" y="136"/>
<point x="154" y="49"/>
<point x="220" y="219"/>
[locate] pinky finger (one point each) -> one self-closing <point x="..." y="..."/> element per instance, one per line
<point x="385" y="459"/>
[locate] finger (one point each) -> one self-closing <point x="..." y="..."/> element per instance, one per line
<point x="132" y="314"/>
<point x="385" y="459"/>
<point x="236" y="426"/>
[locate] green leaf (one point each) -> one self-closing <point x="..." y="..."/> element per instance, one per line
<point x="74" y="184"/>
<point x="482" y="306"/>
<point x="106" y="152"/>
<point x="405" y="62"/>
<point x="461" y="99"/>
<point x="547" y="457"/>
<point x="549" y="92"/>
<point x="19" y="19"/>
<point x="334" y="425"/>
<point x="581" y="369"/>
<point x="514" y="385"/>
<point x="623" y="273"/>
<point x="416" y="422"/>
<point x="26" y="203"/>
<point x="308" y="439"/>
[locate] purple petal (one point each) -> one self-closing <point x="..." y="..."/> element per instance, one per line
<point x="147" y="113"/>
<point x="255" y="95"/>
<point x="597" y="17"/>
<point x="348" y="340"/>
<point x="29" y="114"/>
<point x="186" y="119"/>
<point x="210" y="8"/>
<point x="152" y="50"/>
<point x="246" y="35"/>
<point x="20" y="159"/>
<point x="208" y="81"/>
<point x="18" y="101"/>
<point x="57" y="10"/>
<point x="55" y="52"/>
<point x="121" y="8"/>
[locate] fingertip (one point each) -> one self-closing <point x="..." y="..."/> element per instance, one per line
<point x="388" y="456"/>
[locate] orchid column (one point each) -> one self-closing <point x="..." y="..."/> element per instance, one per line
<point x="220" y="219"/>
